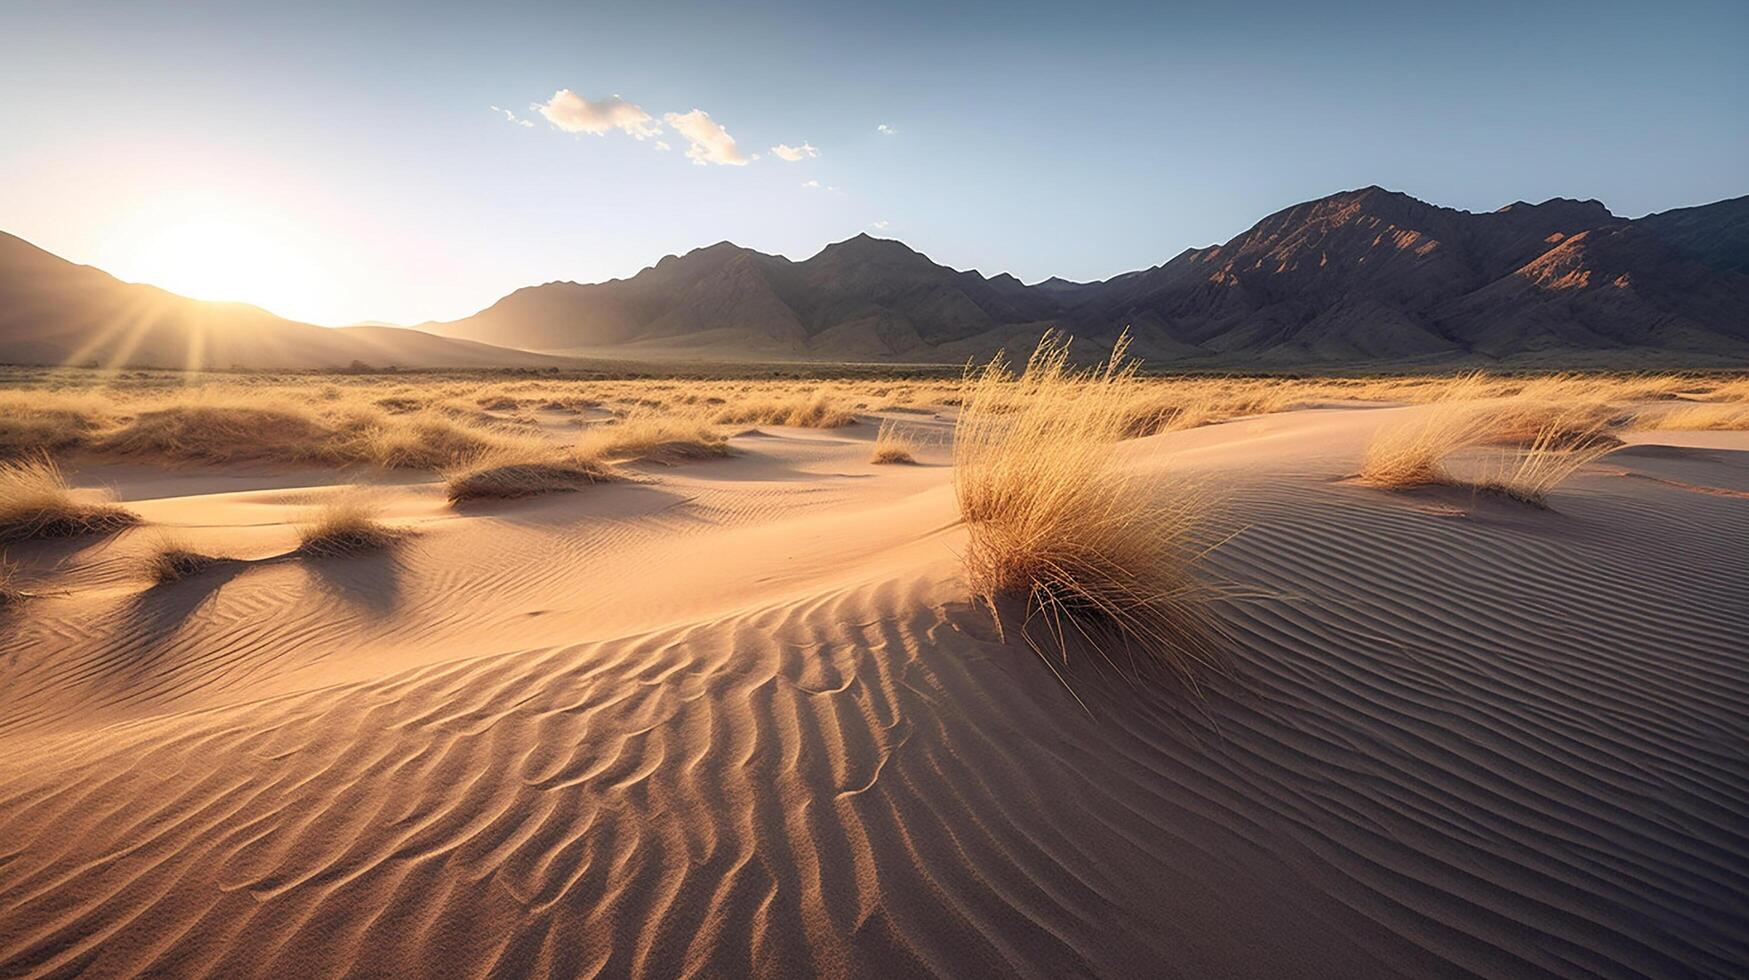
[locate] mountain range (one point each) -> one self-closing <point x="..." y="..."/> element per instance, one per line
<point x="1363" y="277"/>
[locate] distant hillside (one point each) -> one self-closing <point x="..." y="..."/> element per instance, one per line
<point x="1362" y="276"/>
<point x="55" y="312"/>
<point x="864" y="297"/>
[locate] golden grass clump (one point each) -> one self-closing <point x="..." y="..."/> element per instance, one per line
<point x="1551" y="445"/>
<point x="1413" y="454"/>
<point x="1730" y="391"/>
<point x="510" y="475"/>
<point x="893" y="444"/>
<point x="173" y="562"/>
<point x="36" y="502"/>
<point x="233" y="423"/>
<point x="220" y="430"/>
<point x="10" y="593"/>
<point x="345" y="527"/>
<point x="31" y="424"/>
<point x="1057" y="521"/>
<point x="424" y="439"/>
<point x="1525" y="419"/>
<point x="658" y="438"/>
<point x="1186" y="403"/>
<point x="1697" y="416"/>
<point x="818" y="410"/>
<point x="1564" y="444"/>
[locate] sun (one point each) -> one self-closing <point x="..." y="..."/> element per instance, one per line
<point x="226" y="254"/>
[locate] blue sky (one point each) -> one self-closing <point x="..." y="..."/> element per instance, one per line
<point x="340" y="161"/>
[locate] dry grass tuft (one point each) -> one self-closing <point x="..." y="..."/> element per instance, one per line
<point x="172" y="562"/>
<point x="1698" y="416"/>
<point x="35" y="502"/>
<point x="1056" y="521"/>
<point x="818" y="410"/>
<point x="1413" y="454"/>
<point x="1730" y="391"/>
<point x="1564" y="444"/>
<point x="10" y="593"/>
<point x="506" y="476"/>
<point x="213" y="430"/>
<point x="893" y="444"/>
<point x="1550" y="445"/>
<point x="345" y="527"/>
<point x="659" y="438"/>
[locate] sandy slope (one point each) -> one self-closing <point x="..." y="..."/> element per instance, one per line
<point x="742" y="719"/>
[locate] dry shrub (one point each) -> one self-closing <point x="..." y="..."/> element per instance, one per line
<point x="1057" y="521"/>
<point x="36" y="502"/>
<point x="344" y="527"/>
<point x="893" y="444"/>
<point x="659" y="438"/>
<point x="509" y="475"/>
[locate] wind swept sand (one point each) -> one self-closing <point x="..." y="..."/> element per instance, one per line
<point x="741" y="716"/>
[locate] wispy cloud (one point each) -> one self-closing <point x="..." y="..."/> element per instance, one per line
<point x="785" y="151"/>
<point x="886" y="130"/>
<point x="811" y="184"/>
<point x="880" y="225"/>
<point x="574" y="114"/>
<point x="708" y="142"/>
<point x="512" y="117"/>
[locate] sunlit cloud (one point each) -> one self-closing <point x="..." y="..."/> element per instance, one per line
<point x="512" y="117"/>
<point x="886" y="130"/>
<point x="663" y="146"/>
<point x="574" y="114"/>
<point x="811" y="184"/>
<point x="708" y="142"/>
<point x="784" y="151"/>
<point x="880" y="225"/>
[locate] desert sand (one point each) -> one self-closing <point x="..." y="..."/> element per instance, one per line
<point x="742" y="716"/>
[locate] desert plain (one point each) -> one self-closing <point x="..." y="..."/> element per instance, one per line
<point x="1046" y="670"/>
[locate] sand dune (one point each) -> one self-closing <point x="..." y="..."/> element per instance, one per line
<point x="741" y="717"/>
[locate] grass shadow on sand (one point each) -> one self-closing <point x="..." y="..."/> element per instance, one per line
<point x="154" y="615"/>
<point x="626" y="501"/>
<point x="370" y="582"/>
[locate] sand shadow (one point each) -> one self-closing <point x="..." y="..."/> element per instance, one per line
<point x="156" y="613"/>
<point x="371" y="582"/>
<point x="602" y="502"/>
